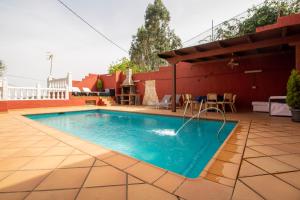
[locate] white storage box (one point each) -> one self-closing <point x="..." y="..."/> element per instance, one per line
<point x="260" y="106"/>
<point x="278" y="106"/>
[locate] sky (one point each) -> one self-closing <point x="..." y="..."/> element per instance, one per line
<point x="31" y="28"/>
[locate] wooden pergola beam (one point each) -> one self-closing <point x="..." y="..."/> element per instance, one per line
<point x="236" y="48"/>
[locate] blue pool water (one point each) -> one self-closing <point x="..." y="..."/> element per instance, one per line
<point x="150" y="138"/>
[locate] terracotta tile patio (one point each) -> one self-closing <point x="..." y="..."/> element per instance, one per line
<point x="259" y="160"/>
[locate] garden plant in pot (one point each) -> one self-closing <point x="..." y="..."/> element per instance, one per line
<point x="99" y="85"/>
<point x="293" y="95"/>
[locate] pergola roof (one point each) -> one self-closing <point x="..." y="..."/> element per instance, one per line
<point x="270" y="41"/>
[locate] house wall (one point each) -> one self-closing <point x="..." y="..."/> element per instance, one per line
<point x="200" y="79"/>
<point x="218" y="77"/>
<point x="22" y="104"/>
<point x="89" y="81"/>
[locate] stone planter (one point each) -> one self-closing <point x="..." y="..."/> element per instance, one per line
<point x="295" y="115"/>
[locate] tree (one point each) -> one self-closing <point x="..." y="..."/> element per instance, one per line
<point x="2" y="68"/>
<point x="263" y="15"/>
<point x="293" y="90"/>
<point x="153" y="37"/>
<point x="122" y="65"/>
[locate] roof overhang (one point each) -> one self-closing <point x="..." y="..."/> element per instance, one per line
<point x="277" y="40"/>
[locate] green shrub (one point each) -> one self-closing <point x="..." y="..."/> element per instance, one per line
<point x="293" y="90"/>
<point x="99" y="84"/>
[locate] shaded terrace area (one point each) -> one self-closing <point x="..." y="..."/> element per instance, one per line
<point x="277" y="39"/>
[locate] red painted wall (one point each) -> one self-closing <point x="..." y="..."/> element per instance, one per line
<point x="3" y="106"/>
<point x="73" y="101"/>
<point x="89" y="81"/>
<point x="200" y="79"/>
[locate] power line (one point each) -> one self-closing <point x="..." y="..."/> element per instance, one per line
<point x="186" y="41"/>
<point x="92" y="27"/>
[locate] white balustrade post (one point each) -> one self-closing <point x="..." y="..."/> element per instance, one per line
<point x="49" y="85"/>
<point x="69" y="81"/>
<point x="38" y="91"/>
<point x="4" y="89"/>
<point x="69" y="84"/>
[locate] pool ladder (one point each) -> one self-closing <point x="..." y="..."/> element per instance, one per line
<point x="198" y="116"/>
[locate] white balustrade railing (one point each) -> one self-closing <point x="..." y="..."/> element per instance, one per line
<point x="36" y="93"/>
<point x="60" y="82"/>
<point x="57" y="89"/>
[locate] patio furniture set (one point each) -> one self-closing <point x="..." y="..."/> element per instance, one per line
<point x="210" y="100"/>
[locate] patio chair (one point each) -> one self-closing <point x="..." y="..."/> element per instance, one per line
<point x="178" y="97"/>
<point x="227" y="100"/>
<point x="76" y="91"/>
<point x="165" y="102"/>
<point x="188" y="103"/>
<point x="233" y="103"/>
<point x="211" y="100"/>
<point x="88" y="92"/>
<point x="230" y="102"/>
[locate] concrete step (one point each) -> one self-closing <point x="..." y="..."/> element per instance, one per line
<point x="108" y="101"/>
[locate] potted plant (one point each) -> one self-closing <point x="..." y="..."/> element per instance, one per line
<point x="99" y="85"/>
<point x="293" y="95"/>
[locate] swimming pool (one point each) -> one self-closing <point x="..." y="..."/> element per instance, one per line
<point x="151" y="138"/>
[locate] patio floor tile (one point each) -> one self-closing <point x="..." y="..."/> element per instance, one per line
<point x="4" y="174"/>
<point x="169" y="182"/>
<point x="291" y="177"/>
<point x="22" y="180"/>
<point x="104" y="154"/>
<point x="64" y="179"/>
<point x="133" y="180"/>
<point x="230" y="157"/>
<point x="148" y="192"/>
<point x="145" y="172"/>
<point x="30" y="152"/>
<point x="120" y="161"/>
<point x="291" y="148"/>
<point x="13" y="196"/>
<point x="233" y="148"/>
<point x="247" y="169"/>
<point x="290" y="139"/>
<point x="58" y="151"/>
<point x="103" y="176"/>
<point x="48" y="162"/>
<point x="52" y="195"/>
<point x="8" y="152"/>
<point x="204" y="189"/>
<point x="250" y="143"/>
<point x="99" y="163"/>
<point x="272" y="188"/>
<point x="293" y="159"/>
<point x="267" y="150"/>
<point x="270" y="164"/>
<point x="220" y="179"/>
<point x="105" y="193"/>
<point x="225" y="169"/>
<point x="249" y="153"/>
<point x="46" y="143"/>
<point x="13" y="163"/>
<point x="74" y="161"/>
<point x="242" y="192"/>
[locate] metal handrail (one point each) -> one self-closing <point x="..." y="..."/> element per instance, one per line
<point x="198" y="116"/>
